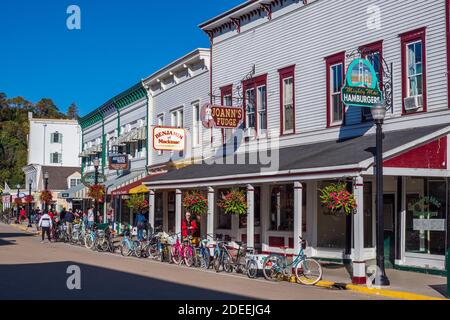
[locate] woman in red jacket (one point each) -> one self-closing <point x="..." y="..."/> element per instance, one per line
<point x="189" y="227"/>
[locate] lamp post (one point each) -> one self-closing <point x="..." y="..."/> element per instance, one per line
<point x="378" y="115"/>
<point x="45" y="188"/>
<point x="30" y="182"/>
<point x="17" y="207"/>
<point x="96" y="165"/>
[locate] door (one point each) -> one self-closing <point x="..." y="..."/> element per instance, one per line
<point x="389" y="229"/>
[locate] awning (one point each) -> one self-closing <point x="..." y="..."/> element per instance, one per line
<point x="135" y="187"/>
<point x="122" y="181"/>
<point x="344" y="155"/>
<point x="71" y="193"/>
<point x="142" y="134"/>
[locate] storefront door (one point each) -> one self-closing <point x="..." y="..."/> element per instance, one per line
<point x="389" y="229"/>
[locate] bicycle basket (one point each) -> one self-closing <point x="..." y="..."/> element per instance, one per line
<point x="172" y="239"/>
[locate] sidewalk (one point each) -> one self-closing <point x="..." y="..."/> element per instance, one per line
<point x="402" y="281"/>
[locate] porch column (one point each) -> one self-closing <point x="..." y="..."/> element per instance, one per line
<point x="298" y="215"/>
<point x="178" y="194"/>
<point x="359" y="265"/>
<point x="210" y="218"/>
<point x="250" y="217"/>
<point x="151" y="211"/>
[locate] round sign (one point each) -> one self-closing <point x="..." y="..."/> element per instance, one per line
<point x="206" y="116"/>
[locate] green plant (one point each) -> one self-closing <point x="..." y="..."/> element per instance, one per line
<point x="137" y="202"/>
<point x="234" y="202"/>
<point x="337" y="198"/>
<point x="195" y="203"/>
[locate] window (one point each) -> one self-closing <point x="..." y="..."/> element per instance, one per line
<point x="255" y="100"/>
<point x="75" y="182"/>
<point x="335" y="80"/>
<point x="227" y="100"/>
<point x="196" y="124"/>
<point x="224" y="220"/>
<point x="374" y="54"/>
<point x="176" y="118"/>
<point x="282" y="208"/>
<point x="287" y="93"/>
<point x="56" y="137"/>
<point x="414" y="71"/>
<point x="160" y="124"/>
<point x="55" y="158"/>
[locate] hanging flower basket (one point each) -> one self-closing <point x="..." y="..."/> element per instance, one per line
<point x="234" y="202"/>
<point x="46" y="196"/>
<point x="137" y="202"/>
<point x="337" y="200"/>
<point x="28" y="199"/>
<point x="195" y="203"/>
<point x="18" y="201"/>
<point x="97" y="192"/>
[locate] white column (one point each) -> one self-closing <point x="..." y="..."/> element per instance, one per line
<point x="151" y="211"/>
<point x="178" y="195"/>
<point x="298" y="215"/>
<point x="165" y="211"/>
<point x="210" y="219"/>
<point x="359" y="265"/>
<point x="250" y="217"/>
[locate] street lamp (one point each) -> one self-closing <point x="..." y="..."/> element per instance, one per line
<point x="30" y="182"/>
<point x="96" y="165"/>
<point x="17" y="209"/>
<point x="378" y="115"/>
<point x="45" y="188"/>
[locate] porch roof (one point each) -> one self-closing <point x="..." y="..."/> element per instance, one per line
<point x="355" y="154"/>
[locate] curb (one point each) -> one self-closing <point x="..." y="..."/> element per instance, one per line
<point x="24" y="229"/>
<point x="377" y="292"/>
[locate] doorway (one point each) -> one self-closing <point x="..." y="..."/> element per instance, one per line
<point x="389" y="210"/>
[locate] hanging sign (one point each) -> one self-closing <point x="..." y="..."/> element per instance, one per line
<point x="361" y="87"/>
<point x="168" y="139"/>
<point x="118" y="162"/>
<point x="88" y="179"/>
<point x="223" y="117"/>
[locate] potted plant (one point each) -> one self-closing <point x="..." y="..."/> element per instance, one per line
<point x="46" y="196"/>
<point x="97" y="192"/>
<point x="137" y="202"/>
<point x="234" y="202"/>
<point x="337" y="199"/>
<point x="195" y="203"/>
<point x="28" y="199"/>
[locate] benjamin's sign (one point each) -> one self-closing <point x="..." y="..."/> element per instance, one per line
<point x="221" y="116"/>
<point x="361" y="88"/>
<point x="168" y="139"/>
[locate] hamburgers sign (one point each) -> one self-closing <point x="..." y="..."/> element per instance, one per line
<point x="169" y="139"/>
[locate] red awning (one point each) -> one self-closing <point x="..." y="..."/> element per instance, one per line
<point x="125" y="190"/>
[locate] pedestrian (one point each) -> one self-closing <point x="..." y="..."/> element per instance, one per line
<point x="140" y="224"/>
<point x="189" y="226"/>
<point x="69" y="218"/>
<point x="45" y="223"/>
<point x="85" y="220"/>
<point x="91" y="219"/>
<point x="62" y="214"/>
<point x="22" y="214"/>
<point x="109" y="217"/>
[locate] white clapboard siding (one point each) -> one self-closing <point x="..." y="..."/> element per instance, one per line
<point x="306" y="35"/>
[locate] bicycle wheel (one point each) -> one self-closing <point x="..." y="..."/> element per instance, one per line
<point x="273" y="268"/>
<point x="217" y="261"/>
<point x="88" y="242"/>
<point x="152" y="251"/>
<point x="123" y="249"/>
<point x="188" y="256"/>
<point x="252" y="269"/>
<point x="137" y="249"/>
<point x="175" y="255"/>
<point x="204" y="258"/>
<point x="309" y="272"/>
<point x="227" y="263"/>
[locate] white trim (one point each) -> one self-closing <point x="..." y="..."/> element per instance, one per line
<point x="411" y="172"/>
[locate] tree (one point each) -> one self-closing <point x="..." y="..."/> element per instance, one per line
<point x="72" y="112"/>
<point x="46" y="108"/>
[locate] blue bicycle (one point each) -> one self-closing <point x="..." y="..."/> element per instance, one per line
<point x="307" y="271"/>
<point x="129" y="247"/>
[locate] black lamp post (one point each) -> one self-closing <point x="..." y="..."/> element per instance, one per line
<point x="46" y="189"/>
<point x="29" y="203"/>
<point x="378" y="115"/>
<point x="96" y="165"/>
<point x="17" y="206"/>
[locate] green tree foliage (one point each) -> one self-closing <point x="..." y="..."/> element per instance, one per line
<point x="14" y="129"/>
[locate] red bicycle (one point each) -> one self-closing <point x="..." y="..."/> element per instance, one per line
<point x="182" y="252"/>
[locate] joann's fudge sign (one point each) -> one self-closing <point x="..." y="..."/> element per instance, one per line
<point x="168" y="139"/>
<point x="221" y="116"/>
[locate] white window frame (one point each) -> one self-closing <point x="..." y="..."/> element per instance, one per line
<point x="196" y="124"/>
<point x="177" y="118"/>
<point x="260" y="102"/>
<point x="247" y="113"/>
<point x="285" y="104"/>
<point x="408" y="76"/>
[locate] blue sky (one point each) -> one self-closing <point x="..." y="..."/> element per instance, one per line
<point x="120" y="42"/>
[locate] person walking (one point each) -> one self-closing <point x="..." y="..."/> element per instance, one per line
<point x="140" y="223"/>
<point x="45" y="223"/>
<point x="91" y="219"/>
<point x="69" y="218"/>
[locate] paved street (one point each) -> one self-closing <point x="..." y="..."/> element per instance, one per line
<point x="31" y="270"/>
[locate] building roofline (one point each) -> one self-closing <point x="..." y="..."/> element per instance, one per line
<point x="227" y="13"/>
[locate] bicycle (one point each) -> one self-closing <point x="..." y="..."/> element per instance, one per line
<point x="202" y="256"/>
<point x="128" y="247"/>
<point x="307" y="271"/>
<point x="221" y="256"/>
<point x="182" y="252"/>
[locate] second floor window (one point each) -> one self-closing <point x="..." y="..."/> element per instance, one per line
<point x="56" y="137"/>
<point x="176" y="117"/>
<point x="255" y="91"/>
<point x="55" y="158"/>
<point x="196" y="124"/>
<point x="415" y="69"/>
<point x="335" y="80"/>
<point x="287" y="100"/>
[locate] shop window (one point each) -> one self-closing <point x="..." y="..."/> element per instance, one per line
<point x="287" y="94"/>
<point x="335" y="80"/>
<point x="171" y="212"/>
<point x="282" y="207"/>
<point x="159" y="210"/>
<point x="426" y="203"/>
<point x="414" y="71"/>
<point x="223" y="220"/>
